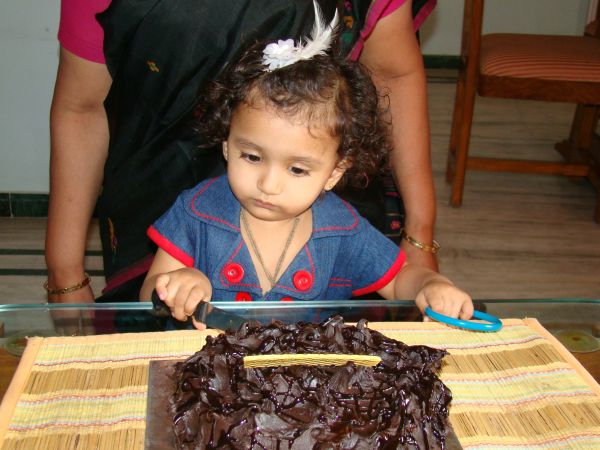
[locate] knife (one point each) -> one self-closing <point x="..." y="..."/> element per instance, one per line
<point x="205" y="312"/>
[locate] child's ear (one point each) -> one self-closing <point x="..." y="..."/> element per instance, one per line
<point x="225" y="150"/>
<point x="337" y="173"/>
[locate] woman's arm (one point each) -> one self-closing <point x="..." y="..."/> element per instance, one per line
<point x="392" y="54"/>
<point x="79" y="147"/>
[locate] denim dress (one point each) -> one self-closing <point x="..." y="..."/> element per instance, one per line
<point x="344" y="257"/>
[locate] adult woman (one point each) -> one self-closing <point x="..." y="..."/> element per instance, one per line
<point x="125" y="124"/>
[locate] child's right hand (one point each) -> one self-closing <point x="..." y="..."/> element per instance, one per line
<point x="444" y="298"/>
<point x="182" y="290"/>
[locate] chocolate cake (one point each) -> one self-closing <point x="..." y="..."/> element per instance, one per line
<point x="399" y="403"/>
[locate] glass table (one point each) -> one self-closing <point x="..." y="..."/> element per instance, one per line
<point x="575" y="322"/>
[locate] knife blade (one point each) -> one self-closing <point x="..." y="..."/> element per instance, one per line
<point x="206" y="313"/>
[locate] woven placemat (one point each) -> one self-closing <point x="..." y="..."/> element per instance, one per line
<point x="518" y="388"/>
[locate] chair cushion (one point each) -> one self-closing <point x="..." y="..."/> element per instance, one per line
<point x="550" y="57"/>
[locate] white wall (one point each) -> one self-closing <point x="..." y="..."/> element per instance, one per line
<point x="28" y="59"/>
<point x="441" y="31"/>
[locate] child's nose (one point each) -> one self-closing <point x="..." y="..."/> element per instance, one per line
<point x="270" y="182"/>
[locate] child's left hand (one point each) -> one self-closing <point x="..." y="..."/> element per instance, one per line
<point x="445" y="298"/>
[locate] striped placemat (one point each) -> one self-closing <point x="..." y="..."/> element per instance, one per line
<point x="518" y="388"/>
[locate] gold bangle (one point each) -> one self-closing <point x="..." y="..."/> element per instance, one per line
<point x="68" y="290"/>
<point x="433" y="248"/>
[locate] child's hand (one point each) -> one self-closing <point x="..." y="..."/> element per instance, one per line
<point x="446" y="299"/>
<point x="182" y="290"/>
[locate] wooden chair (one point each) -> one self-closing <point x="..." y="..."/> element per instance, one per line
<point x="584" y="141"/>
<point x="520" y="66"/>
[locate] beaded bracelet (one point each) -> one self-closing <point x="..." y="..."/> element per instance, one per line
<point x="68" y="290"/>
<point x="433" y="248"/>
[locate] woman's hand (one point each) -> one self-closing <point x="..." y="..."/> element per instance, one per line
<point x="182" y="290"/>
<point x="445" y="298"/>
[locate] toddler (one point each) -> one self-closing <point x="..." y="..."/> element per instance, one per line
<point x="294" y="121"/>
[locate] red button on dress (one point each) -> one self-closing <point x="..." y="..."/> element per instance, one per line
<point x="303" y="280"/>
<point x="243" y="297"/>
<point x="233" y="272"/>
<point x="286" y="299"/>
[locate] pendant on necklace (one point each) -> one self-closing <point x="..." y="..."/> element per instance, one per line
<point x="272" y="278"/>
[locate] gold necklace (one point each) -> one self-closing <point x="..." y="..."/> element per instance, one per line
<point x="272" y="278"/>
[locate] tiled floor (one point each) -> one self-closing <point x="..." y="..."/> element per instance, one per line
<point x="516" y="236"/>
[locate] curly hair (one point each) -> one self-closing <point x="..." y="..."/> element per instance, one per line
<point x="326" y="90"/>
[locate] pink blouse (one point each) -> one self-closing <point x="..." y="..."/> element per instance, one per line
<point x="381" y="8"/>
<point x="80" y="33"/>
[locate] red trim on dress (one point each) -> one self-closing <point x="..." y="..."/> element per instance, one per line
<point x="385" y="279"/>
<point x="312" y="273"/>
<point x="169" y="247"/>
<point x="224" y="281"/>
<point x="334" y="227"/>
<point x="340" y="282"/>
<point x="198" y="213"/>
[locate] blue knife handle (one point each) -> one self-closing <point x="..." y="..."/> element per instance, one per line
<point x="494" y="324"/>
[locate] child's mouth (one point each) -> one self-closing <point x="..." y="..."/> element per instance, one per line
<point x="265" y="205"/>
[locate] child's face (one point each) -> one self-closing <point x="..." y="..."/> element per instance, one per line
<point x="277" y="168"/>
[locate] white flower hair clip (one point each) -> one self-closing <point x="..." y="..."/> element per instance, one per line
<point x="283" y="53"/>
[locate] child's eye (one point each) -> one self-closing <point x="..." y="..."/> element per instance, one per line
<point x="250" y="157"/>
<point x="298" y="171"/>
